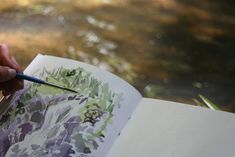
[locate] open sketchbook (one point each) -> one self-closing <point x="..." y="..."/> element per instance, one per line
<point x="42" y="121"/>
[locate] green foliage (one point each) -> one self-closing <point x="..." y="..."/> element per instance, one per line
<point x="205" y="102"/>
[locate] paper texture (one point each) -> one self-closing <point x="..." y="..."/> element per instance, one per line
<point x="167" y="129"/>
<point x="45" y="121"/>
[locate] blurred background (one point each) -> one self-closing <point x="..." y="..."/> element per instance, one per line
<point x="168" y="49"/>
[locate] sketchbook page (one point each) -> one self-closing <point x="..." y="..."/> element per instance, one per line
<point x="45" y="121"/>
<point x="167" y="129"/>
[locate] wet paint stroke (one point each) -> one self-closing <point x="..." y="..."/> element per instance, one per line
<point x="45" y="121"/>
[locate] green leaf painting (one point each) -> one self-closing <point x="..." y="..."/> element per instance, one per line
<point x="45" y="121"/>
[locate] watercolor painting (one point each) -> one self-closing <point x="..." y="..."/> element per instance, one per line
<point x="43" y="121"/>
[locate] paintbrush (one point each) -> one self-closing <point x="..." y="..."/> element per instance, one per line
<point x="37" y="80"/>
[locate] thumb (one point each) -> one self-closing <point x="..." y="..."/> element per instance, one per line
<point x="6" y="73"/>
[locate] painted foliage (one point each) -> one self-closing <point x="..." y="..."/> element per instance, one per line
<point x="45" y="121"/>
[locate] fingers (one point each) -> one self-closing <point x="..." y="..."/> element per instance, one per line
<point x="10" y="87"/>
<point x="6" y="73"/>
<point x="6" y="59"/>
<point x="6" y="93"/>
<point x="8" y="68"/>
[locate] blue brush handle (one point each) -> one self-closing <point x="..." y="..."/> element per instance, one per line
<point x="29" y="78"/>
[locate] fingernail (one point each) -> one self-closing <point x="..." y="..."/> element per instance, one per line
<point x="11" y="73"/>
<point x="14" y="61"/>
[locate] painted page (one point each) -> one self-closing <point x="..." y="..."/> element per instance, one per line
<point x="43" y="121"/>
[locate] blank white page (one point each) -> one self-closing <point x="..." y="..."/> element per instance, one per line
<point x="167" y="129"/>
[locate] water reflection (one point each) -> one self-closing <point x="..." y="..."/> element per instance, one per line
<point x="169" y="49"/>
<point x="101" y="24"/>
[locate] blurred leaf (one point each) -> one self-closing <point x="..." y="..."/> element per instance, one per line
<point x="199" y="103"/>
<point x="209" y="103"/>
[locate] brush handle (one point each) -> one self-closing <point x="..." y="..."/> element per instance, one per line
<point x="29" y="78"/>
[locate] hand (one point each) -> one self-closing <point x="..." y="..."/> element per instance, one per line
<point x="8" y="68"/>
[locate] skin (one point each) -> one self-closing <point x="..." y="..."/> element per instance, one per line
<point x="8" y="68"/>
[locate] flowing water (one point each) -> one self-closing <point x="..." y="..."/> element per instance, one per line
<point x="167" y="49"/>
